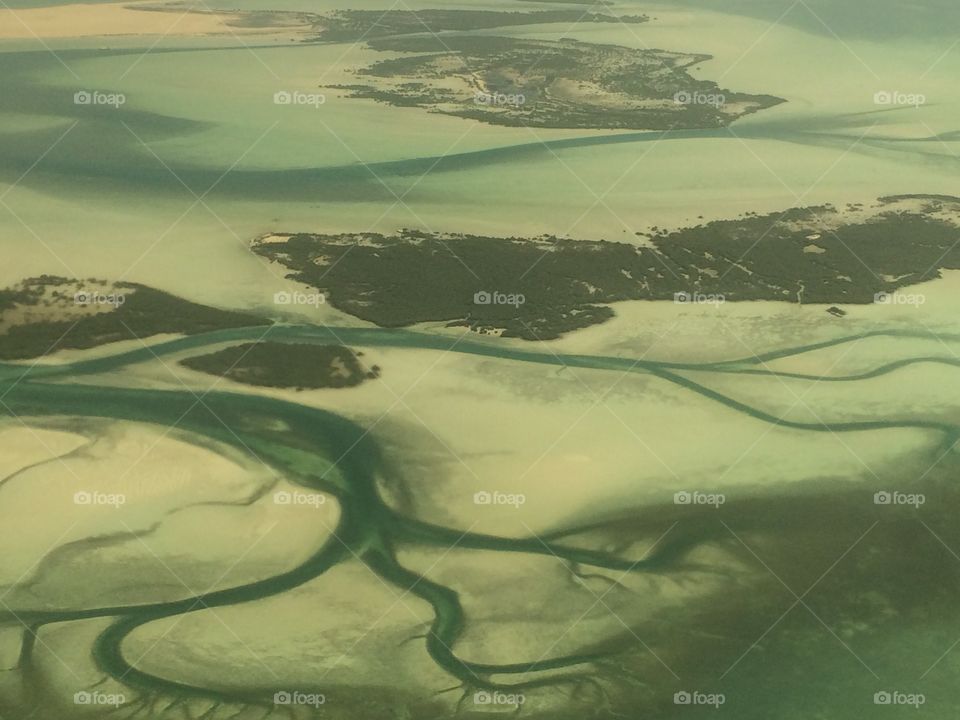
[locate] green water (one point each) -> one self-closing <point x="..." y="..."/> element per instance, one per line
<point x="113" y="193"/>
<point x="199" y="121"/>
<point x="320" y="450"/>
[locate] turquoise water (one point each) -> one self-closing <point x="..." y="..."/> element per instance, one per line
<point x="199" y="121"/>
<point x="113" y="192"/>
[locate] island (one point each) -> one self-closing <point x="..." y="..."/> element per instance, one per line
<point x="540" y="288"/>
<point x="286" y="365"/>
<point x="356" y="25"/>
<point x="550" y="83"/>
<point x="42" y="315"/>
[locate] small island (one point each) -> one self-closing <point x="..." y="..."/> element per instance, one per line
<point x="286" y="365"/>
<point x="45" y="314"/>
<point x="356" y="25"/>
<point x="540" y="288"/>
<point x="550" y="83"/>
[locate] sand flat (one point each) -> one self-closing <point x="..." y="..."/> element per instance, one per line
<point x="145" y="18"/>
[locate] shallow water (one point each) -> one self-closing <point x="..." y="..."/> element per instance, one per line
<point x="369" y="529"/>
<point x="344" y="166"/>
<point x="798" y="417"/>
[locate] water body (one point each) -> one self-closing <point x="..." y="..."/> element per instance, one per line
<point x="325" y="452"/>
<point x="115" y="194"/>
<point x="883" y="20"/>
<point x="199" y="121"/>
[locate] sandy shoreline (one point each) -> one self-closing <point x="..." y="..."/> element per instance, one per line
<point x="144" y="18"/>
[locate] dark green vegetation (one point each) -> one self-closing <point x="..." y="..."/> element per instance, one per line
<point x="269" y="19"/>
<point x="10" y="298"/>
<point x="416" y="277"/>
<point x="808" y="255"/>
<point x="551" y="84"/>
<point x="285" y="365"/>
<point x="49" y="313"/>
<point x="352" y="25"/>
<point x="812" y="255"/>
<point x="932" y="203"/>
